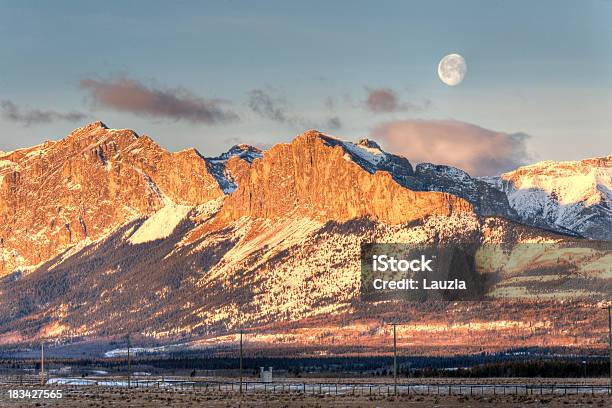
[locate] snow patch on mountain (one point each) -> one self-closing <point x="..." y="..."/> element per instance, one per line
<point x="366" y="150"/>
<point x="243" y="151"/>
<point x="161" y="224"/>
<point x="368" y="155"/>
<point x="447" y="171"/>
<point x="572" y="195"/>
<point x="218" y="165"/>
<point x="6" y="163"/>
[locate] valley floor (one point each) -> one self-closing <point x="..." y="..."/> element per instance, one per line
<point x="151" y="397"/>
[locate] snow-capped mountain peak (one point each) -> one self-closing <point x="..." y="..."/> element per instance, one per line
<point x="570" y="195"/>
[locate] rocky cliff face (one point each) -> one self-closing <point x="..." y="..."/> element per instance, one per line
<point x="61" y="193"/>
<point x="194" y="245"/>
<point x="573" y="196"/>
<point x="318" y="177"/>
<point x="487" y="199"/>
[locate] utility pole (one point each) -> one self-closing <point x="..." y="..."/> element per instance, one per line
<point x="240" y="361"/>
<point x="394" y="360"/>
<point x="610" y="344"/>
<point x="394" y="324"/>
<point x="42" y="363"/>
<point x="129" y="360"/>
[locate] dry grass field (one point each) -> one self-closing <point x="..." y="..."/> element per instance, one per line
<point x="82" y="397"/>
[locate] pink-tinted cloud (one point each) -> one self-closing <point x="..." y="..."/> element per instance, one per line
<point x="479" y="151"/>
<point x="127" y="95"/>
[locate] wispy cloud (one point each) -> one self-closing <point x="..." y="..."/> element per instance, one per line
<point x="275" y="109"/>
<point x="479" y="151"/>
<point x="386" y="100"/>
<point x="333" y="123"/>
<point x="266" y="106"/>
<point x="28" y="117"/>
<point x="128" y="95"/>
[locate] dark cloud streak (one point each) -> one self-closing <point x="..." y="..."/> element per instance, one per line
<point x="127" y="95"/>
<point x="334" y="123"/>
<point x="385" y="100"/>
<point x="12" y="112"/>
<point x="275" y="109"/>
<point x="263" y="104"/>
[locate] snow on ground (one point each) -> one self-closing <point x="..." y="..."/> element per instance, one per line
<point x="161" y="224"/>
<point x="121" y="352"/>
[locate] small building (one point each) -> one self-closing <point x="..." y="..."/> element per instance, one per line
<point x="265" y="376"/>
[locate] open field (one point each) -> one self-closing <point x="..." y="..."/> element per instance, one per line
<point x="172" y="398"/>
<point x="428" y="392"/>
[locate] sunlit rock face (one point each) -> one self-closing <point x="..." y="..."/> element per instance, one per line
<point x="323" y="178"/>
<point x="106" y="223"/>
<point x="61" y="193"/>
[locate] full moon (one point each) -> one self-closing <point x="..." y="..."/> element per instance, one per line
<point x="452" y="69"/>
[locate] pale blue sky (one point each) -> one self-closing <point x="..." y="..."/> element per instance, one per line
<point x="539" y="67"/>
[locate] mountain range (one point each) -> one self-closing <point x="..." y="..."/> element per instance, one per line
<point x="105" y="232"/>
